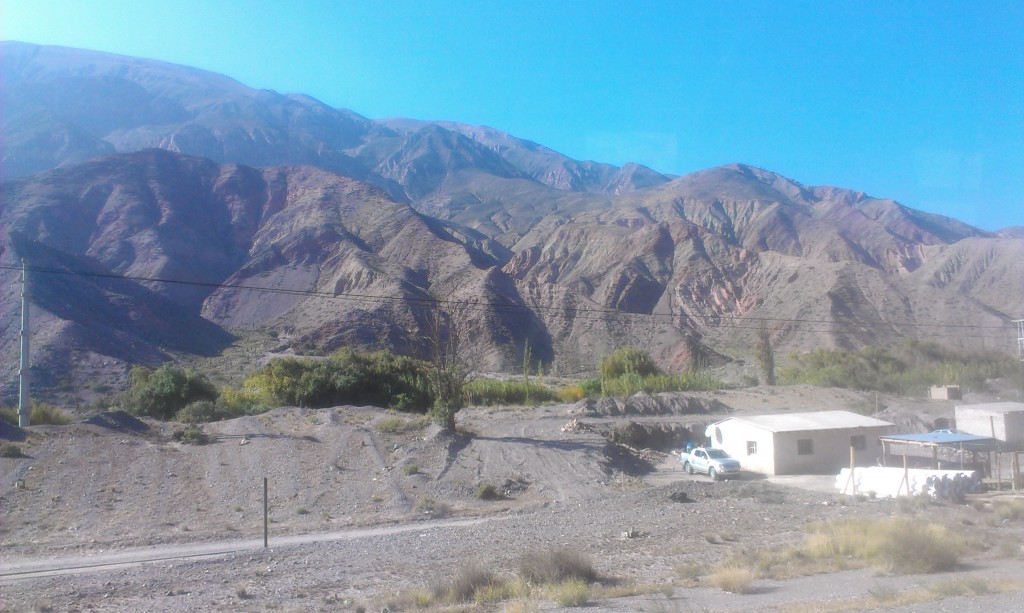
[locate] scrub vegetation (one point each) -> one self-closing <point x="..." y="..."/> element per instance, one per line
<point x="909" y="368"/>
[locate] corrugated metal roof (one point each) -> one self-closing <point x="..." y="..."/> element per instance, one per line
<point x="939" y="438"/>
<point x="816" y="420"/>
<point x="994" y="407"/>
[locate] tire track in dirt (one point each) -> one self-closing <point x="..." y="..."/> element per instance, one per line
<point x="371" y="441"/>
<point x="23" y="569"/>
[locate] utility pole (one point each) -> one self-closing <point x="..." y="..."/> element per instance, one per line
<point x="24" y="401"/>
<point x="1020" y="338"/>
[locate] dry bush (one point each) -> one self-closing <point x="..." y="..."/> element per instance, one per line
<point x="10" y="450"/>
<point x="487" y="491"/>
<point x="556" y="566"/>
<point x="428" y="506"/>
<point x="733" y="578"/>
<point x="463" y="586"/>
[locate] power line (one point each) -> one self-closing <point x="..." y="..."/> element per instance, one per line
<point x="589" y="313"/>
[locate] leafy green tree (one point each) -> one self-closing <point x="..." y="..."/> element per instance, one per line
<point x="161" y="393"/>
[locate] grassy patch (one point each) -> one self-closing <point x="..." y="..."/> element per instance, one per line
<point x="41" y="414"/>
<point x="894" y="545"/>
<point x="490" y="392"/>
<point x="396" y="425"/>
<point x="410" y="469"/>
<point x="572" y="593"/>
<point x="629" y="384"/>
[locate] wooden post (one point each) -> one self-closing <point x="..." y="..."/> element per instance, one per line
<point x="885" y="452"/>
<point x="999" y="471"/>
<point x="266" y="514"/>
<point x="935" y="458"/>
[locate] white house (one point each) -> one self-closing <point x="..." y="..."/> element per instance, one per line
<point x="800" y="443"/>
<point x="1000" y="420"/>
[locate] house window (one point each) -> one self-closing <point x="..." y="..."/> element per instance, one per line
<point x="858" y="442"/>
<point x="751" y="447"/>
<point x="804" y="446"/>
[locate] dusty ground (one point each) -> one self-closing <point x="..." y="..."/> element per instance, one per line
<point x="361" y="515"/>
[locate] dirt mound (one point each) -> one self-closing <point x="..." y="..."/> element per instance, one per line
<point x="643" y="403"/>
<point x="119" y="421"/>
<point x="662" y="437"/>
<point x="10" y="433"/>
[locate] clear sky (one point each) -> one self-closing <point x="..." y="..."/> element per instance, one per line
<point x="921" y="102"/>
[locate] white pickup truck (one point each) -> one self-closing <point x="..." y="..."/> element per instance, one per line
<point x="715" y="462"/>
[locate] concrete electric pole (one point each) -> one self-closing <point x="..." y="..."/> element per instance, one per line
<point x="24" y="402"/>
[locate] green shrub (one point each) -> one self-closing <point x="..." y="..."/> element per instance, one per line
<point x="347" y="377"/>
<point x="161" y="393"/>
<point x="591" y="387"/>
<point x="487" y="491"/>
<point x="42" y="414"/>
<point x="491" y="392"/>
<point x="910" y="367"/>
<point x="628" y="361"/>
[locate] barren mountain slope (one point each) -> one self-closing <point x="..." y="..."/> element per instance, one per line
<point x="103" y="103"/>
<point x="181" y="226"/>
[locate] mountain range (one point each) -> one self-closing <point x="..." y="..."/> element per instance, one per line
<point x="163" y="209"/>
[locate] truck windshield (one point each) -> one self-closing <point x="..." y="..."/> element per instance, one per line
<point x="717" y="453"/>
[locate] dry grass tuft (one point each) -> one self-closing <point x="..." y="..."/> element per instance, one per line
<point x="733" y="578"/>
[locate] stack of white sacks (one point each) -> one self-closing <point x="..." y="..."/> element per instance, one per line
<point x="887" y="482"/>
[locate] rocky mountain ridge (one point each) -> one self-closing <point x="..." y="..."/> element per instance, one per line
<point x="353" y="229"/>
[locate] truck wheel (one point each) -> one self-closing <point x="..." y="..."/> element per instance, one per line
<point x="688" y="468"/>
<point x="713" y="473"/>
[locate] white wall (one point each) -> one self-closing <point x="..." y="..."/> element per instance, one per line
<point x="736" y="434"/>
<point x="777" y="452"/>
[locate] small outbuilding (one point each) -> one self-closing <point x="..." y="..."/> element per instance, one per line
<point x="800" y="443"/>
<point x="1003" y="421"/>
<point x="945" y="392"/>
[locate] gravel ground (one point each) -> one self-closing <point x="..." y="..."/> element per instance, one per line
<point x="366" y="511"/>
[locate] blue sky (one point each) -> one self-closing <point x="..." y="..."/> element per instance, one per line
<point x="921" y="102"/>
